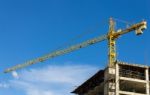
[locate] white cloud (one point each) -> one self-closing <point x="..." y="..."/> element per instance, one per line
<point x="56" y="74"/>
<point x="38" y="92"/>
<point x="4" y="85"/>
<point x="15" y="74"/>
<point x="51" y="80"/>
<point x="30" y="88"/>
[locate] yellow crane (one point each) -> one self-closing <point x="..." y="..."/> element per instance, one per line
<point x="111" y="36"/>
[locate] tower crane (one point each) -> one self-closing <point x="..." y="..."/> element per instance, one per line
<point x="111" y="37"/>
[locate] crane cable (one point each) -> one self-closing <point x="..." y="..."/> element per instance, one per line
<point x="123" y="21"/>
<point x="69" y="42"/>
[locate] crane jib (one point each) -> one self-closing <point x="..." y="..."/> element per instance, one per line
<point x="58" y="53"/>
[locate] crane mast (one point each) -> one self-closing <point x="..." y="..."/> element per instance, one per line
<point x="111" y="37"/>
<point x="111" y="43"/>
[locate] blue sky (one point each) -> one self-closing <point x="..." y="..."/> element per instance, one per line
<point x="31" y="28"/>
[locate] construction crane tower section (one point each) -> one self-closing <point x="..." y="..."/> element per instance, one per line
<point x="113" y="35"/>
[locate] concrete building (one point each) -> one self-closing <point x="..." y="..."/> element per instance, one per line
<point x="123" y="79"/>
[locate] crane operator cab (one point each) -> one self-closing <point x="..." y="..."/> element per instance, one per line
<point x="140" y="30"/>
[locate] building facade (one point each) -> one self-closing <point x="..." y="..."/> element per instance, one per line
<point x="123" y="79"/>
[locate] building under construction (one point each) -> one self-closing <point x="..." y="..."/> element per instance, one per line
<point x="124" y="79"/>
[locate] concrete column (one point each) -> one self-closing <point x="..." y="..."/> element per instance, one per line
<point x="147" y="80"/>
<point x="117" y="80"/>
<point x="109" y="85"/>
